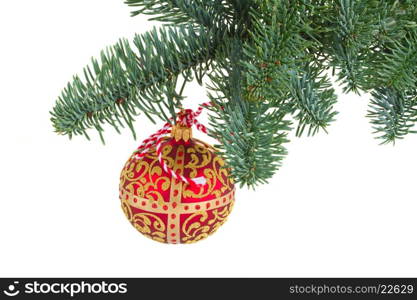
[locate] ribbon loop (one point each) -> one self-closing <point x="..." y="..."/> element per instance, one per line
<point x="186" y="118"/>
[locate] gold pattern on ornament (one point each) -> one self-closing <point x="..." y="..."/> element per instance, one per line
<point x="173" y="234"/>
<point x="195" y="231"/>
<point x="200" y="161"/>
<point x="180" y="208"/>
<point x="222" y="174"/>
<point x="138" y="175"/>
<point x="144" y="222"/>
<point x="203" y="226"/>
<point x="220" y="217"/>
<point x="196" y="161"/>
<point x="216" y="214"/>
<point x="127" y="211"/>
<point x="213" y="173"/>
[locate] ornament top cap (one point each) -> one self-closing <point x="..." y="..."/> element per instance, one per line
<point x="181" y="132"/>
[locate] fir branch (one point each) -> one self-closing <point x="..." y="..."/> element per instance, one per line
<point x="279" y="56"/>
<point x="129" y="79"/>
<point x="252" y="139"/>
<point x="312" y="101"/>
<point x="251" y="133"/>
<point x="275" y="47"/>
<point x="393" y="113"/>
<point x="209" y="13"/>
<point x="354" y="31"/>
<point x="399" y="65"/>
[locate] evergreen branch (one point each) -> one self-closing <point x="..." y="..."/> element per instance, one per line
<point x="241" y="11"/>
<point x="354" y="31"/>
<point x="252" y="139"/>
<point x="399" y="65"/>
<point x="279" y="56"/>
<point x="312" y="101"/>
<point x="251" y="133"/>
<point x="275" y="47"/>
<point x="207" y="13"/>
<point x="381" y="26"/>
<point x="128" y="80"/>
<point x="393" y="113"/>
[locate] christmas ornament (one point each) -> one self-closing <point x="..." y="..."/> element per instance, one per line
<point x="266" y="66"/>
<point x="175" y="189"/>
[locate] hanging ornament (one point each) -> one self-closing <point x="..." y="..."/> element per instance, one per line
<point x="174" y="189"/>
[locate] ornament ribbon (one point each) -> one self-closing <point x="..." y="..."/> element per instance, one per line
<point x="186" y="118"/>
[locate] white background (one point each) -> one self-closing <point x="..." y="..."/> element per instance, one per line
<point x="340" y="206"/>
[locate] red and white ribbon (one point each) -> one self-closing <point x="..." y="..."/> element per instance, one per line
<point x="186" y="118"/>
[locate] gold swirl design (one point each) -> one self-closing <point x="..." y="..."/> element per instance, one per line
<point x="197" y="162"/>
<point x="214" y="171"/>
<point x="195" y="231"/>
<point x="223" y="175"/>
<point x="148" y="224"/>
<point x="220" y="218"/>
<point x="143" y="223"/>
<point x="203" y="226"/>
<point x="140" y="174"/>
<point x="127" y="211"/>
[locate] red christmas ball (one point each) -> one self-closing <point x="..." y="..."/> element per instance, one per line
<point x="168" y="210"/>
